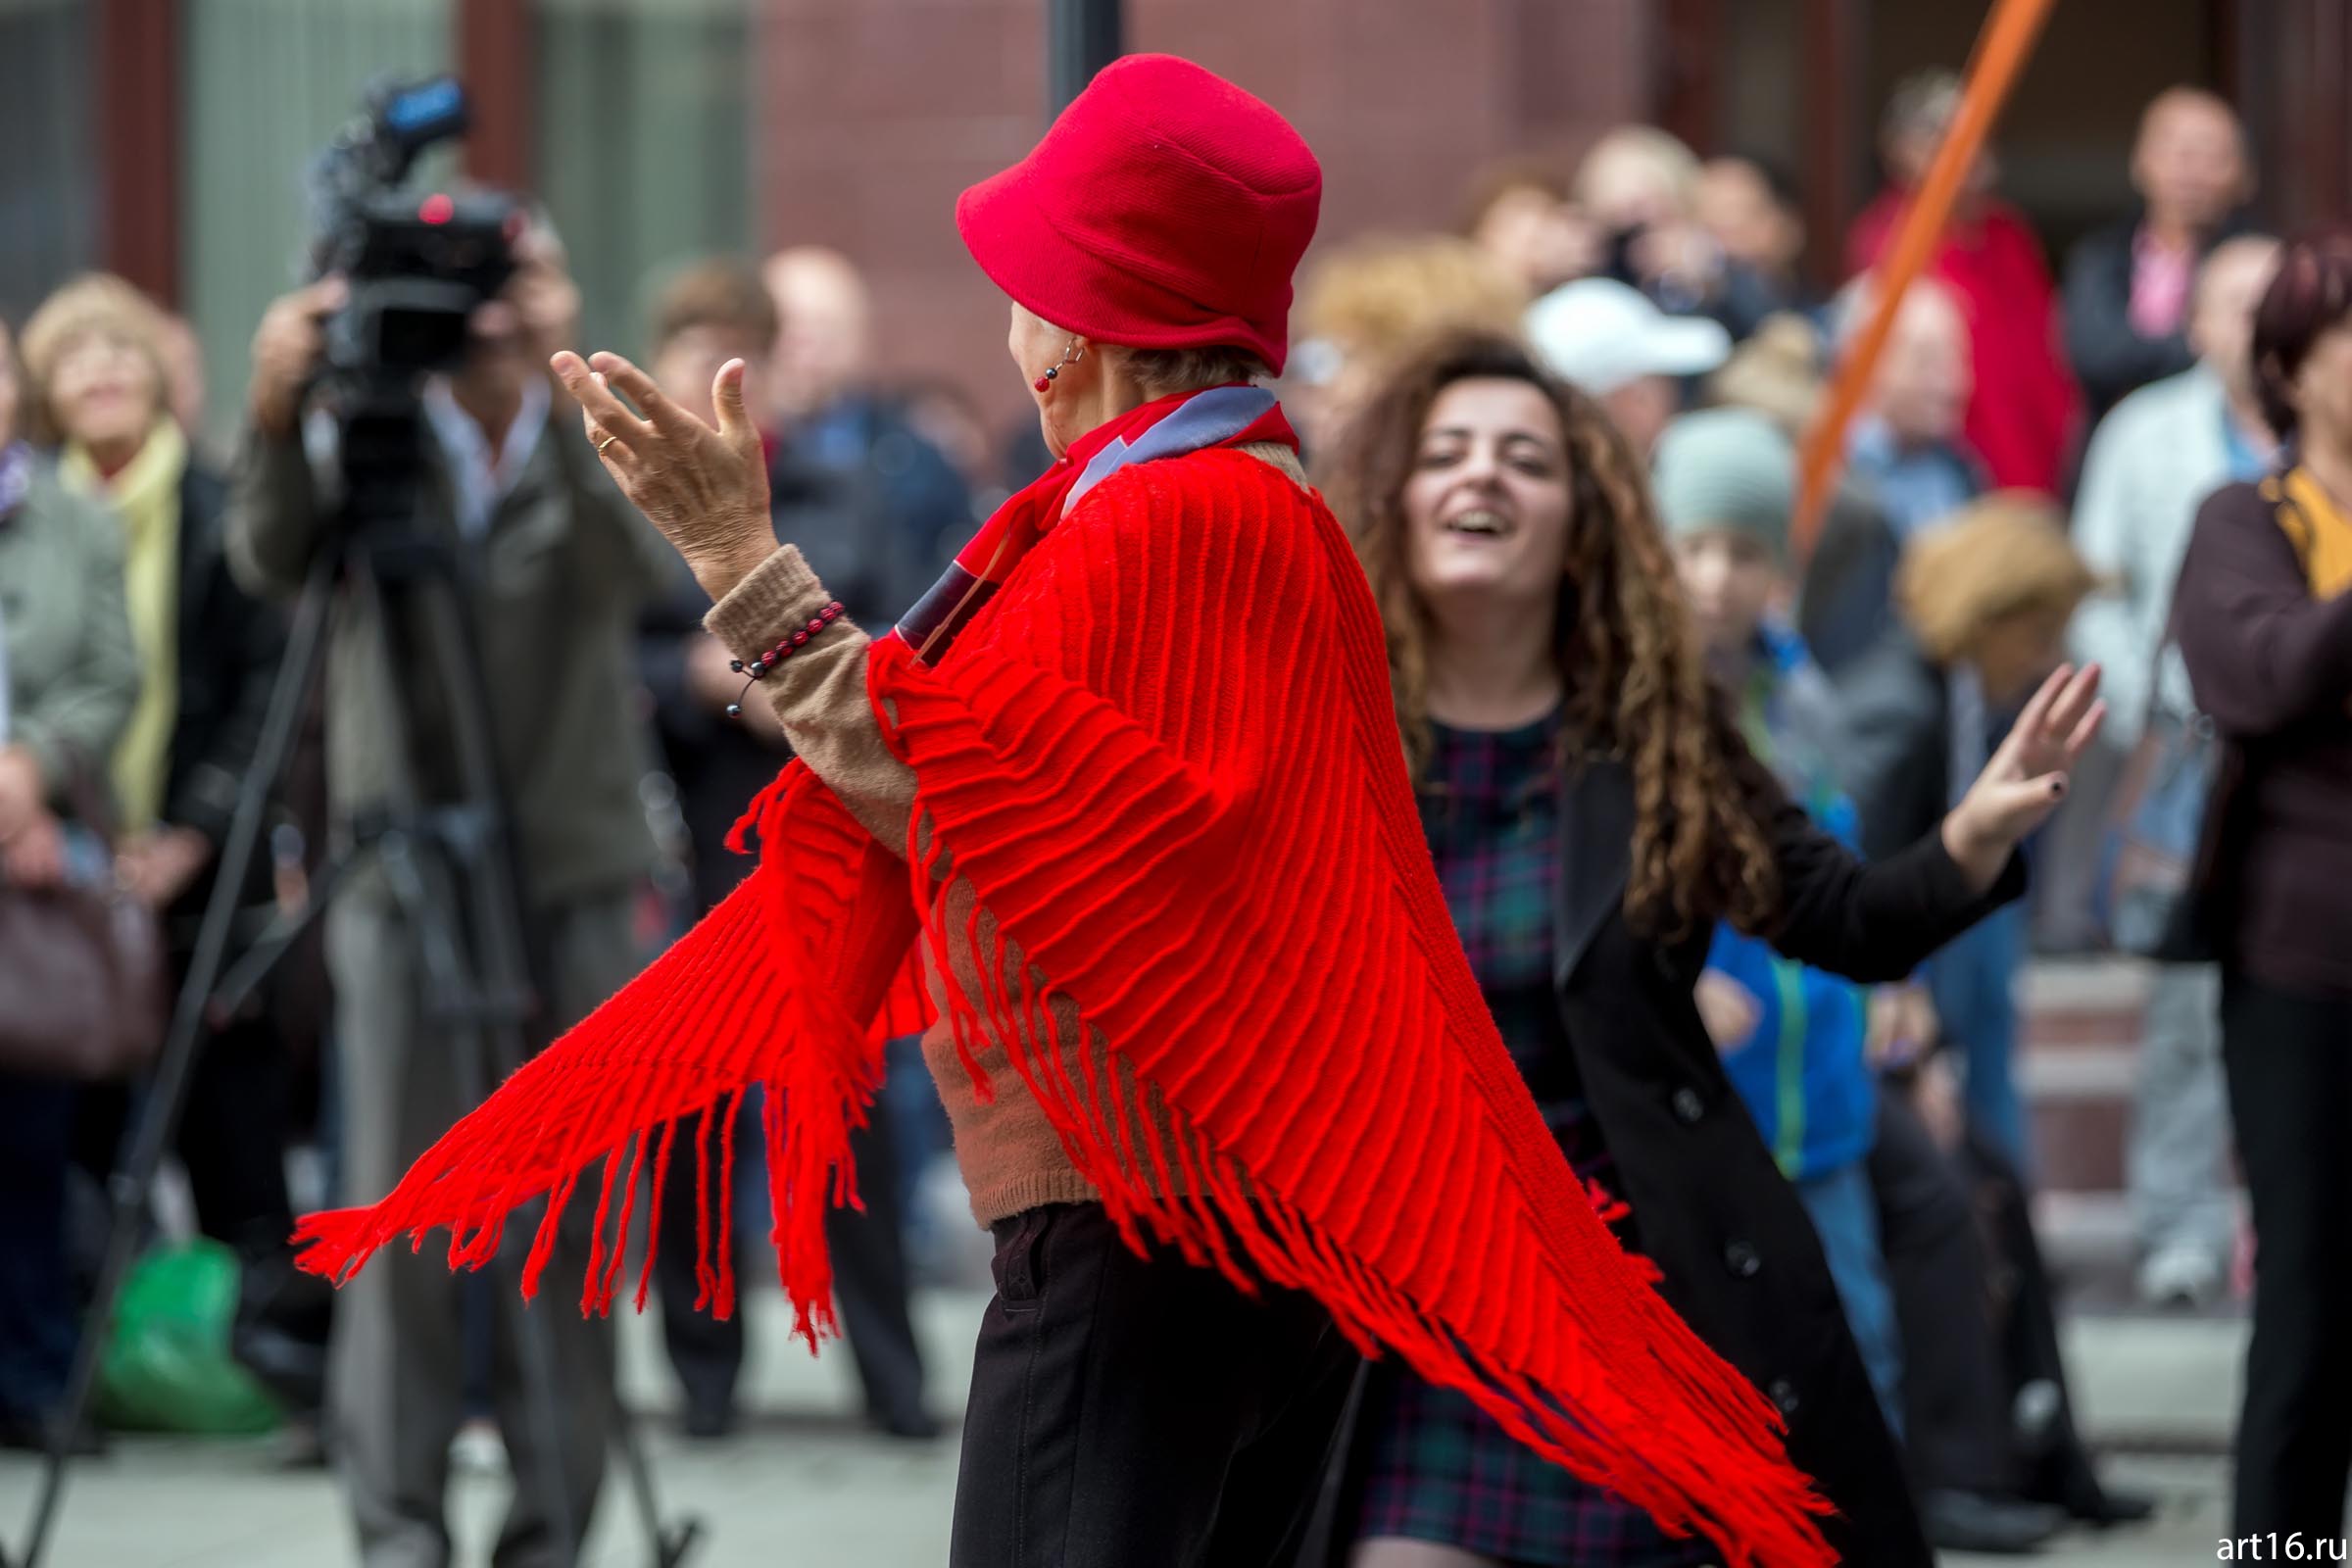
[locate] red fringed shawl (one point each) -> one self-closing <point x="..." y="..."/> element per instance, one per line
<point x="1166" y="757"/>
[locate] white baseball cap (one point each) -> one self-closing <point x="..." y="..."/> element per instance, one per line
<point x="1600" y="334"/>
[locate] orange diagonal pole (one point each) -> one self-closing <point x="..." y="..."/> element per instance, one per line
<point x="2001" y="52"/>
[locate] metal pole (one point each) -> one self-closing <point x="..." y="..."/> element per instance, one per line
<point x="1082" y="36"/>
<point x="2002" y="51"/>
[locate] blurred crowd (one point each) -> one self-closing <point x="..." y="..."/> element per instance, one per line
<point x="2017" y="490"/>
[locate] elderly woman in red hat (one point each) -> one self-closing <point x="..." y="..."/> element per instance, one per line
<point x="1119" y="813"/>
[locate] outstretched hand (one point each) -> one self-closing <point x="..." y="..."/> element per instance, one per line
<point x="705" y="489"/>
<point x="2028" y="776"/>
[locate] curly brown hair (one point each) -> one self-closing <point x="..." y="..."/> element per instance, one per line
<point x="1636" y="681"/>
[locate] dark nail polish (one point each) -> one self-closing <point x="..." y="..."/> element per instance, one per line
<point x="2057" y="786"/>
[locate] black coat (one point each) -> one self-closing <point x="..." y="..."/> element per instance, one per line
<point x="229" y="645"/>
<point x="1898" y="762"/>
<point x="1845" y="602"/>
<point x="1710" y="1209"/>
<point x="2110" y="356"/>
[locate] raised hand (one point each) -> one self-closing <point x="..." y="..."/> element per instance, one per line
<point x="158" y="866"/>
<point x="2028" y="777"/>
<point x="286" y="348"/>
<point x="705" y="489"/>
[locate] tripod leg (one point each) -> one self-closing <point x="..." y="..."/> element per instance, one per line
<point x="670" y="1547"/>
<point x="284" y="930"/>
<point x="535" y="1344"/>
<point x="159" y="1119"/>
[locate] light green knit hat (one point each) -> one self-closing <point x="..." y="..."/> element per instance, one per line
<point x="1726" y="469"/>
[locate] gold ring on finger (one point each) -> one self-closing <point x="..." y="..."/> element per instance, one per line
<point x="606" y="442"/>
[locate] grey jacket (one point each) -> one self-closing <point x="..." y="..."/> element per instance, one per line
<point x="552" y="587"/>
<point x="73" y="672"/>
<point x="2151" y="464"/>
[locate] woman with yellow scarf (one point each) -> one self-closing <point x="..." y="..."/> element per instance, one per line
<point x="2264" y="619"/>
<point x="95" y="354"/>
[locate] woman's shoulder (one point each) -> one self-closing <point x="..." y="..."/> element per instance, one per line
<point x="2239" y="515"/>
<point x="1279" y="455"/>
<point x="77" y="523"/>
<point x="1220" y="518"/>
<point x="1219" y="492"/>
<point x="2239" y="501"/>
<point x="2238" y="535"/>
<point x="1215" y="470"/>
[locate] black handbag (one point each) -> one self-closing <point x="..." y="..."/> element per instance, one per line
<point x="85" y="986"/>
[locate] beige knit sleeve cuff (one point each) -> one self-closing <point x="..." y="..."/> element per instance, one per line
<point x="779" y="597"/>
<point x="818" y="694"/>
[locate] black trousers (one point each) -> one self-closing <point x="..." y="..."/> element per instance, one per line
<point x="1955" y="1401"/>
<point x="870" y="1282"/>
<point x="2288" y="1061"/>
<point x="2057" y="1468"/>
<point x="1132" y="1413"/>
<point x="232" y="1135"/>
<point x="38" y="1311"/>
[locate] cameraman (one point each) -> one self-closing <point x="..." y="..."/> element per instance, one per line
<point x="550" y="562"/>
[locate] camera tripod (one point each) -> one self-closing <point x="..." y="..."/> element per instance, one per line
<point x="450" y="870"/>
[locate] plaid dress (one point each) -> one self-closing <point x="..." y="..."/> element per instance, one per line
<point x="1440" y="1469"/>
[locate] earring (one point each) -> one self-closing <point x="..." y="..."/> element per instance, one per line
<point x="1070" y="356"/>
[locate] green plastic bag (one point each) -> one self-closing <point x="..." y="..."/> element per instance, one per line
<point x="168" y="1367"/>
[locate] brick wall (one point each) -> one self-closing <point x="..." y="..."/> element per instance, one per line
<point x="873" y="114"/>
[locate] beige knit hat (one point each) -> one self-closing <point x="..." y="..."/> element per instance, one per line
<point x="1778" y="371"/>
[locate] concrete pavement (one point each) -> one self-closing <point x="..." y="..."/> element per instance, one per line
<point x="804" y="1487"/>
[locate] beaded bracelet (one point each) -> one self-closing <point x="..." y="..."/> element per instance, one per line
<point x="753" y="670"/>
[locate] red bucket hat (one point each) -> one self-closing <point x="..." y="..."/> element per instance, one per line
<point x="1164" y="208"/>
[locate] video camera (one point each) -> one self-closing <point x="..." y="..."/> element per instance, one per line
<point x="417" y="267"/>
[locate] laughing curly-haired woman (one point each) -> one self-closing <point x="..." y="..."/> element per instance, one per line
<point x="1593" y="811"/>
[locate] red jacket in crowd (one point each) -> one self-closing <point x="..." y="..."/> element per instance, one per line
<point x="2023" y="416"/>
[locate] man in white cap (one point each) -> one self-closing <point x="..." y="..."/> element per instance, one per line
<point x="1609" y="340"/>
